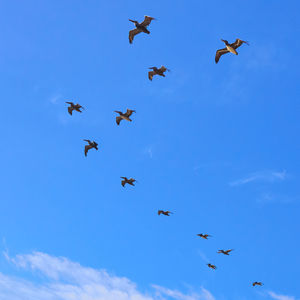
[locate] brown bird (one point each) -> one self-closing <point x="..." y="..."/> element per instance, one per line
<point x="156" y="71"/>
<point x="229" y="48"/>
<point x="124" y="116"/>
<point x="126" y="180"/>
<point x="212" y="266"/>
<point x="164" y="212"/>
<point x="257" y="283"/>
<point x="90" y="146"/>
<point x="226" y="252"/>
<point x="73" y="106"/>
<point x="204" y="236"/>
<point x="140" y="27"/>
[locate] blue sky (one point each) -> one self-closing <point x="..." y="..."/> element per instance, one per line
<point x="216" y="144"/>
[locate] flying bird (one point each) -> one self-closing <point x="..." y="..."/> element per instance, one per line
<point x="91" y="145"/>
<point x="229" y="48"/>
<point x="212" y="266"/>
<point x="225" y="252"/>
<point x="73" y="106"/>
<point x="128" y="181"/>
<point x="124" y="116"/>
<point x="257" y="283"/>
<point x="140" y="27"/>
<point x="156" y="71"/>
<point x="204" y="236"/>
<point x="164" y="212"/>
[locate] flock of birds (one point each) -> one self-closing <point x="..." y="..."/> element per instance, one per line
<point x="142" y="27"/>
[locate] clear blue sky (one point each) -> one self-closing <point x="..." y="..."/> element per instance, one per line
<point x="216" y="144"/>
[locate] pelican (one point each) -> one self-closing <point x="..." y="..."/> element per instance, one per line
<point x="156" y="71"/>
<point x="91" y="145"/>
<point x="212" y="266"/>
<point x="73" y="106"/>
<point x="257" y="283"/>
<point x="128" y="181"/>
<point x="124" y="116"/>
<point x="229" y="48"/>
<point x="204" y="236"/>
<point x="225" y="252"/>
<point x="164" y="212"/>
<point x="140" y="27"/>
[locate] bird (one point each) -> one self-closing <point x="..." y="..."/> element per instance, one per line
<point x="204" y="236"/>
<point x="73" y="106"/>
<point x="124" y="116"/>
<point x="225" y="252"/>
<point x="257" y="283"/>
<point x="164" y="212"/>
<point x="140" y="27"/>
<point x="126" y="180"/>
<point x="212" y="266"/>
<point x="229" y="48"/>
<point x="91" y="145"/>
<point x="156" y="71"/>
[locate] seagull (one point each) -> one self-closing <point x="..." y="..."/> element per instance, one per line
<point x="126" y="180"/>
<point x="73" y="106"/>
<point x="257" y="283"/>
<point x="229" y="48"/>
<point x="140" y="27"/>
<point x="225" y="252"/>
<point x="204" y="236"/>
<point x="164" y="212"/>
<point x="156" y="71"/>
<point x="212" y="266"/>
<point x="91" y="145"/>
<point x="124" y="116"/>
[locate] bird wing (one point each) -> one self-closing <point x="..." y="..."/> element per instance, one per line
<point x="118" y="120"/>
<point x="147" y="21"/>
<point x="163" y="69"/>
<point x="132" y="33"/>
<point x="219" y="53"/>
<point x="151" y="74"/>
<point x="238" y="43"/>
<point x="129" y="112"/>
<point x="70" y="110"/>
<point x="70" y="103"/>
<point x="159" y="212"/>
<point x="87" y="141"/>
<point x="123" y="182"/>
<point x="86" y="149"/>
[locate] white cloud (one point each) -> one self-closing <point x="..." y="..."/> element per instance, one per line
<point x="267" y="176"/>
<point x="281" y="297"/>
<point x="63" y="279"/>
<point x="54" y="99"/>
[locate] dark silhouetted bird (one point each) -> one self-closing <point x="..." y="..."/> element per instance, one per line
<point x="257" y="283"/>
<point x="90" y="146"/>
<point x="226" y="252"/>
<point x="124" y="116"/>
<point x="126" y="180"/>
<point x="204" y="236"/>
<point x="140" y="27"/>
<point x="229" y="48"/>
<point x="73" y="106"/>
<point x="164" y="212"/>
<point x="156" y="71"/>
<point x="212" y="266"/>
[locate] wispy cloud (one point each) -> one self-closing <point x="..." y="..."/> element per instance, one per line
<point x="267" y="176"/>
<point x="55" y="98"/>
<point x="63" y="279"/>
<point x="280" y="297"/>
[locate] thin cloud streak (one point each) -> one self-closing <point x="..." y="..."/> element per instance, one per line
<point x="280" y="297"/>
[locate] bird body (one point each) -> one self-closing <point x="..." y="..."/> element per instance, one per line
<point x="139" y="27"/>
<point x="124" y="116"/>
<point x="128" y="181"/>
<point x="164" y="212"/>
<point x="225" y="252"/>
<point x="204" y="236"/>
<point x="90" y="145"/>
<point x="73" y="106"/>
<point x="156" y="71"/>
<point x="212" y="266"/>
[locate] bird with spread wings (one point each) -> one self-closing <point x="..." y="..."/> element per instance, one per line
<point x="140" y="27"/>
<point x="157" y="71"/>
<point x="124" y="116"/>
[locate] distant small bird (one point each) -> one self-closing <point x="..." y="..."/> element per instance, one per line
<point x="124" y="116"/>
<point x="73" y="106"/>
<point x="212" y="266"/>
<point x="140" y="27"/>
<point x="229" y="48"/>
<point x="257" y="283"/>
<point x="128" y="181"/>
<point x="156" y="71"/>
<point x="164" y="212"/>
<point x="226" y="252"/>
<point x="90" y="146"/>
<point x="204" y="236"/>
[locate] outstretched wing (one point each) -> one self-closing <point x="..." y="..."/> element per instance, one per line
<point x="86" y="149"/>
<point x="219" y="53"/>
<point x="133" y="33"/>
<point x="118" y="120"/>
<point x="163" y="69"/>
<point x="147" y="21"/>
<point x="123" y="183"/>
<point x="70" y="109"/>
<point x="150" y="75"/>
<point x="129" y="112"/>
<point x="159" y="212"/>
<point x="238" y="43"/>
